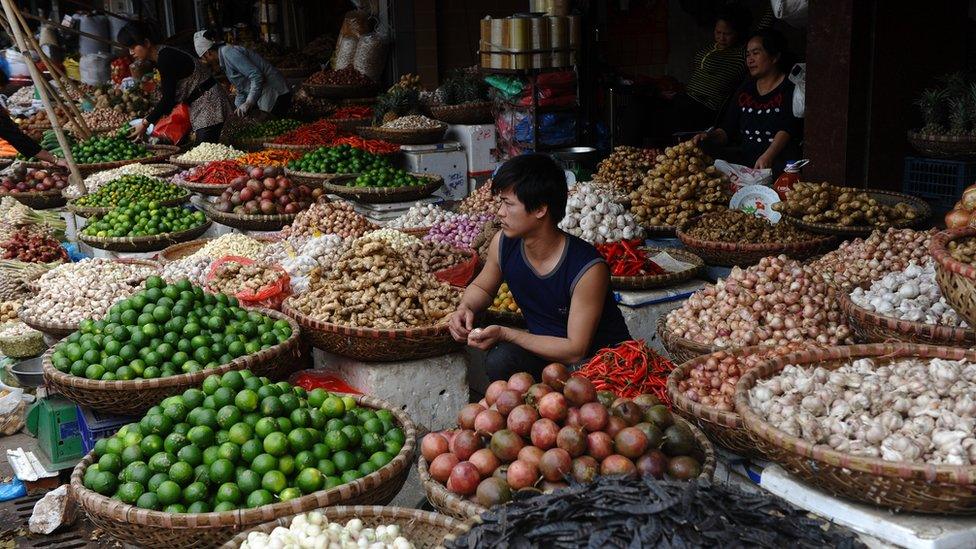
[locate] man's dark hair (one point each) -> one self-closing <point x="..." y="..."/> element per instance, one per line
<point x="135" y="34"/>
<point x="536" y="180"/>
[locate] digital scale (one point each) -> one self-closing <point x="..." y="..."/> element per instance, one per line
<point x="54" y="422"/>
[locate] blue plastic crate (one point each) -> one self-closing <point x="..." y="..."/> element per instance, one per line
<point x="940" y="182"/>
<point x="95" y="425"/>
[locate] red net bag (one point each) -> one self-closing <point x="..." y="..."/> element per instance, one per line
<point x="269" y="296"/>
<point x="316" y="379"/>
<point x="461" y="274"/>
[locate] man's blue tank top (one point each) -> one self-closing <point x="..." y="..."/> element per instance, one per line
<point x="545" y="299"/>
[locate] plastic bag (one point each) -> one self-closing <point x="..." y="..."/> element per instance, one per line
<point x="354" y="24"/>
<point x="270" y="296"/>
<point x="370" y="56"/>
<point x="799" y="78"/>
<point x="95" y="69"/>
<point x="12" y="410"/>
<point x="740" y="176"/>
<point x="174" y="126"/>
<point x="345" y="52"/>
<point x="461" y="274"/>
<point x="793" y="12"/>
<point x="318" y="379"/>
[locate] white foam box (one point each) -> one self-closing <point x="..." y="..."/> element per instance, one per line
<point x="430" y="390"/>
<point x="444" y="159"/>
<point x="478" y="141"/>
<point x="915" y="531"/>
<point x="642" y="309"/>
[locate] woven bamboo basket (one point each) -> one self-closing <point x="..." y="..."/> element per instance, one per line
<point x="316" y="178"/>
<point x="652" y="231"/>
<point x="146" y="528"/>
<point x="186" y="164"/>
<point x="956" y="279"/>
<point x="871" y="327"/>
<point x="680" y="349"/>
<point x="205" y="189"/>
<point x="339" y="91"/>
<point x="423" y="528"/>
<point x="141" y="244"/>
<point x="158" y="154"/>
<point x="901" y="486"/>
<point x="406" y="136"/>
<point x="888" y="198"/>
<point x="474" y="112"/>
<point x="246" y="222"/>
<point x="290" y="147"/>
<point x="185" y="249"/>
<point x="136" y="396"/>
<point x="647" y="282"/>
<point x="35" y="287"/>
<point x="40" y="200"/>
<point x="349" y="124"/>
<point x="384" y="195"/>
<point x="943" y="146"/>
<point x="744" y="254"/>
<point x="455" y="506"/>
<point x="93" y="211"/>
<point x="56" y="330"/>
<point x="371" y="345"/>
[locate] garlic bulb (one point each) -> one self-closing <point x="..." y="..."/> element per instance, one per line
<point x="910" y="294"/>
<point x="313" y="530"/>
<point x="593" y="215"/>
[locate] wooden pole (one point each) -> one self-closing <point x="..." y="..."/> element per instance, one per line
<point x="52" y="115"/>
<point x="54" y="68"/>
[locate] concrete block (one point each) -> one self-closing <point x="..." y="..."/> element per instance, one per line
<point x="642" y="310"/>
<point x="430" y="390"/>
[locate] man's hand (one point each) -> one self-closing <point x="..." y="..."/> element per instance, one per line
<point x="699" y="137"/>
<point x="461" y="323"/>
<point x="138" y="130"/>
<point x="485" y="338"/>
<point x="244" y="109"/>
<point x="763" y="162"/>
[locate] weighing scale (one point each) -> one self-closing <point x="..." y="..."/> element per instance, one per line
<point x="53" y="420"/>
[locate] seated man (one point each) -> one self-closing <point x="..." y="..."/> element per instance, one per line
<point x="560" y="282"/>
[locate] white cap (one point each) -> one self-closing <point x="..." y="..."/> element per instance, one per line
<point x="201" y="43"/>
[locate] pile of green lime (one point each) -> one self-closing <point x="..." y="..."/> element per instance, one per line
<point x="387" y="177"/>
<point x="165" y="330"/>
<point x="107" y="149"/>
<point x="270" y="128"/>
<point x="241" y="441"/>
<point x="131" y="188"/>
<point x="341" y="159"/>
<point x="143" y="219"/>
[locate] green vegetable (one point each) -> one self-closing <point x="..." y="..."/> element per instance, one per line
<point x="130" y="188"/>
<point x="271" y="128"/>
<point x="143" y="219"/>
<point x="341" y="159"/>
<point x="386" y="177"/>
<point x="107" y="149"/>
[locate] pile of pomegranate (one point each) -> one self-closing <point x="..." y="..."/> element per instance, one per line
<point x="30" y="180"/>
<point x="266" y="192"/>
<point x="533" y="436"/>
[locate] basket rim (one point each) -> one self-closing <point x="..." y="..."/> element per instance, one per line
<point x="290" y="147"/>
<point x="666" y="278"/>
<point x="162" y="259"/>
<point x="947" y="474"/>
<point x="664" y="333"/>
<point x="48" y="327"/>
<point x="324" y="177"/>
<point x="905" y="327"/>
<point x="921" y="207"/>
<point x="191" y="163"/>
<point x="164" y="152"/>
<point x="407" y="131"/>
<point x="310" y="323"/>
<point x="217" y="215"/>
<point x="91" y="211"/>
<point x="435" y="182"/>
<point x="772" y="248"/>
<point x="938" y="249"/>
<point x="178" y="380"/>
<point x="35" y="194"/>
<point x="200" y="188"/>
<point x="308" y="502"/>
<point x="94" y="241"/>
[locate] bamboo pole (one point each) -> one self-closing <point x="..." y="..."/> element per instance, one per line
<point x="59" y="75"/>
<point x="52" y="115"/>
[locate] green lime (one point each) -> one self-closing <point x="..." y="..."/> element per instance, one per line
<point x="211" y="455"/>
<point x="223" y="507"/>
<point x="251" y="449"/>
<point x="289" y="494"/>
<point x="211" y="384"/>
<point x="148" y="500"/>
<point x="228" y="415"/>
<point x="174" y="442"/>
<point x="195" y="492"/>
<point x="265" y="426"/>
<point x="271" y="406"/>
<point x="111" y="463"/>
<point x="197" y="507"/>
<point x="114" y="446"/>
<point x="202" y="436"/>
<point x="316" y="397"/>
<point x="298" y="440"/>
<point x="348" y="402"/>
<point x="246" y="400"/>
<point x="290" y="402"/>
<point x="221" y="471"/>
<point x="181" y="473"/>
<point x="333" y="407"/>
<point x="321" y="451"/>
<point x="137" y="472"/>
<point x="131" y="454"/>
<point x="274" y="481"/>
<point x="309" y="480"/>
<point x="229" y="492"/>
<point x="350" y="476"/>
<point x="169" y="492"/>
<point x="222" y="396"/>
<point x="191" y="454"/>
<point x="276" y="444"/>
<point x="264" y="463"/>
<point x="305" y="460"/>
<point x="258" y="498"/>
<point x="317" y="419"/>
<point x="248" y="481"/>
<point x="240" y="433"/>
<point x="229" y="451"/>
<point x="300" y="417"/>
<point x="326" y="467"/>
<point x="395" y="435"/>
<point x="336" y="441"/>
<point x="344" y="460"/>
<point x="130" y="492"/>
<point x="354" y="433"/>
<point x="367" y="468"/>
<point x="284" y="424"/>
<point x="286" y="464"/>
<point x="373" y="425"/>
<point x="371" y="443"/>
<point x="156" y="480"/>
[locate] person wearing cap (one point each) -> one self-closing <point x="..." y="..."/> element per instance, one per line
<point x="257" y="82"/>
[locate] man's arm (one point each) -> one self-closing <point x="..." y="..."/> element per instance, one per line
<point x="479" y="294"/>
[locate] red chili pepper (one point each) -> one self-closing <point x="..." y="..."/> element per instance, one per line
<point x="628" y="370"/>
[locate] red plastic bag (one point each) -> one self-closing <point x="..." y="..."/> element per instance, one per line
<point x="270" y="296"/>
<point x="174" y="126"/>
<point x="556" y="89"/>
<point x="315" y="379"/>
<point x="461" y="274"/>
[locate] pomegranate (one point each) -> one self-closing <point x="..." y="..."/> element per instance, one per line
<point x="614" y="425"/>
<point x="441" y="467"/>
<point x="599" y="445"/>
<point x="485" y="461"/>
<point x="555" y="376"/>
<point x="522" y="474"/>
<point x="630" y="442"/>
<point x="553" y="406"/>
<point x="494" y="390"/>
<point x="593" y="416"/>
<point x="505" y="444"/>
<point x="584" y="468"/>
<point x="628" y="411"/>
<point x="488" y="422"/>
<point x="508" y="400"/>
<point x="653" y="463"/>
<point x="579" y="390"/>
<point x="646" y="401"/>
<point x="466" y="443"/>
<point x="617" y="465"/>
<point x="573" y="417"/>
<point x="536" y="392"/>
<point x="520" y="382"/>
<point x="501" y="472"/>
<point x="468" y="414"/>
<point x="555" y="464"/>
<point x="433" y="445"/>
<point x="605" y="398"/>
<point x="520" y="420"/>
<point x="493" y="491"/>
<point x="464" y="479"/>
<point x="530" y="454"/>
<point x="653" y="434"/>
<point x="543" y="433"/>
<point x="572" y="439"/>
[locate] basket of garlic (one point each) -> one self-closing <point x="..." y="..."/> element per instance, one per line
<point x="593" y="215"/>
<point x="883" y="424"/>
<point x="363" y="526"/>
<point x="954" y="253"/>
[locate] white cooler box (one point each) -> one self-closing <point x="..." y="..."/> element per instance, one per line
<point x="444" y="159"/>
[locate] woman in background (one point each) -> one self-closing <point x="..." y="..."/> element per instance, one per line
<point x="257" y="82"/>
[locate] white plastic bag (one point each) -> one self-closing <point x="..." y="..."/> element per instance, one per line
<point x="16" y="64"/>
<point x="740" y="176"/>
<point x="370" y="56"/>
<point x="95" y="69"/>
<point x="798" y="75"/>
<point x="793" y="12"/>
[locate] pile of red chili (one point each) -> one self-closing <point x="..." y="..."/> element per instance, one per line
<point x="218" y="172"/>
<point x="375" y="146"/>
<point x="319" y="133"/>
<point x="627" y="258"/>
<point x="355" y="111"/>
<point x="628" y="370"/>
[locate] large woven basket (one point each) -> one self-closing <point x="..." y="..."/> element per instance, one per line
<point x="246" y="222"/>
<point x="647" y="282"/>
<point x="56" y="330"/>
<point x="291" y="147"/>
<point x="422" y="528"/>
<point x="744" y="254"/>
<point x="871" y="327"/>
<point x="371" y="345"/>
<point x="336" y="91"/>
<point x="474" y="112"/>
<point x="659" y="231"/>
<point x="252" y="144"/>
<point x="145" y="528"/>
<point x="349" y="124"/>
<point x="902" y="486"/>
<point x="185" y="249"/>
<point x="141" y="244"/>
<point x="35" y="287"/>
<point x="316" y="178"/>
<point x="956" y="279"/>
<point x="158" y="154"/>
<point x="205" y="189"/>
<point x="680" y="349"/>
<point x="40" y="200"/>
<point x="887" y="198"/>
<point x="944" y="146"/>
<point x="384" y="195"/>
<point x="93" y="211"/>
<point x="455" y="506"/>
<point x="138" y="395"/>
<point x="406" y="136"/>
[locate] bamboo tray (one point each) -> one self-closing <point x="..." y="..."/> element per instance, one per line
<point x="474" y="112"/>
<point x="185" y="249"/>
<point x="680" y="349"/>
<point x="246" y="222"/>
<point x="888" y="198"/>
<point x="205" y="189"/>
<point x="744" y="254"/>
<point x="40" y="200"/>
<point x="384" y="195"/>
<point x="141" y="244"/>
<point x="871" y="327"/>
<point x="647" y="282"/>
<point x="942" y="146"/>
<point x="158" y="154"/>
<point x="405" y="136"/>
<point x="94" y="211"/>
